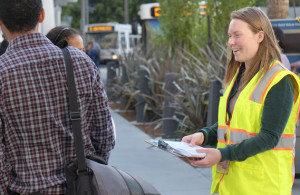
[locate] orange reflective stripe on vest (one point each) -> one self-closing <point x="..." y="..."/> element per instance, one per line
<point x="259" y="90"/>
<point x="271" y="171"/>
<point x="286" y="141"/>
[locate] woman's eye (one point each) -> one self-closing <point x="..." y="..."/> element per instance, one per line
<point x="237" y="36"/>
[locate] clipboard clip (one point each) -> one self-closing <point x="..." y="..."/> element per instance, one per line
<point x="163" y="145"/>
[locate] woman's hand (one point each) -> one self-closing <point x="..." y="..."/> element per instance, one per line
<point x="194" y="139"/>
<point x="213" y="156"/>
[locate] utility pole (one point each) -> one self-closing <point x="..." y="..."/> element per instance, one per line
<point x="83" y="19"/>
<point x="126" y="20"/>
<point x="87" y="12"/>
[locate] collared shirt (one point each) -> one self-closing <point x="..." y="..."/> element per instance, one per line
<point x="36" y="139"/>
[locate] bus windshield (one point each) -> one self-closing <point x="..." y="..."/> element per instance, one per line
<point x="106" y="40"/>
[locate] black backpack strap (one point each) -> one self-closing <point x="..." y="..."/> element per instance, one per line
<point x="75" y="112"/>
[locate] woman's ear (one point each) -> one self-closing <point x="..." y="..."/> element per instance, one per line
<point x="261" y="36"/>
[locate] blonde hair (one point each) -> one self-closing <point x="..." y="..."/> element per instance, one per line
<point x="267" y="51"/>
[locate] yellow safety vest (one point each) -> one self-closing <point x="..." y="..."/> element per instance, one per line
<point x="271" y="172"/>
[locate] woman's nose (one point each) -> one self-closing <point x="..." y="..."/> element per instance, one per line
<point x="230" y="41"/>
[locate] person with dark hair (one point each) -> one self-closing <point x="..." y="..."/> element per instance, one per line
<point x="282" y="44"/>
<point x="36" y="135"/>
<point x="62" y="37"/>
<point x="93" y="50"/>
<point x="255" y="133"/>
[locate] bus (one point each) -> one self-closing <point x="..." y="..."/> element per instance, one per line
<point x="115" y="39"/>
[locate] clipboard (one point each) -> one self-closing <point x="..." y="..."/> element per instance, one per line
<point x="177" y="148"/>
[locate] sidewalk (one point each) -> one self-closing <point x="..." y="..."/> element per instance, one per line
<point x="167" y="173"/>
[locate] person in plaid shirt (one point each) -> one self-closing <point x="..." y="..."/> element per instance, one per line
<point x="36" y="139"/>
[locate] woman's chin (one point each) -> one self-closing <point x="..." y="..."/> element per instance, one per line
<point x="238" y="59"/>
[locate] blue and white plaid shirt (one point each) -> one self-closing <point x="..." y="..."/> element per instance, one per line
<point x="36" y="139"/>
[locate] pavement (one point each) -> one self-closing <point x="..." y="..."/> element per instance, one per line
<point x="169" y="174"/>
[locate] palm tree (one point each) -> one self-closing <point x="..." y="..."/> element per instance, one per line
<point x="278" y="9"/>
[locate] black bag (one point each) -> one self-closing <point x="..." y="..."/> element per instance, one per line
<point x="92" y="175"/>
<point x="105" y="180"/>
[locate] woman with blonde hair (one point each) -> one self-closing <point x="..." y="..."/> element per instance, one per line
<point x="255" y="132"/>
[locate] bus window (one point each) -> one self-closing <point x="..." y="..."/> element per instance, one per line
<point x="123" y="41"/>
<point x="131" y="42"/>
<point x="106" y="40"/>
<point x="134" y="41"/>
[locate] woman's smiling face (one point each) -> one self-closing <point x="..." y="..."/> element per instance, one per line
<point x="243" y="41"/>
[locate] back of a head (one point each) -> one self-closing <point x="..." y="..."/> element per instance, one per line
<point x="60" y="35"/>
<point x="20" y="15"/>
<point x="280" y="37"/>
